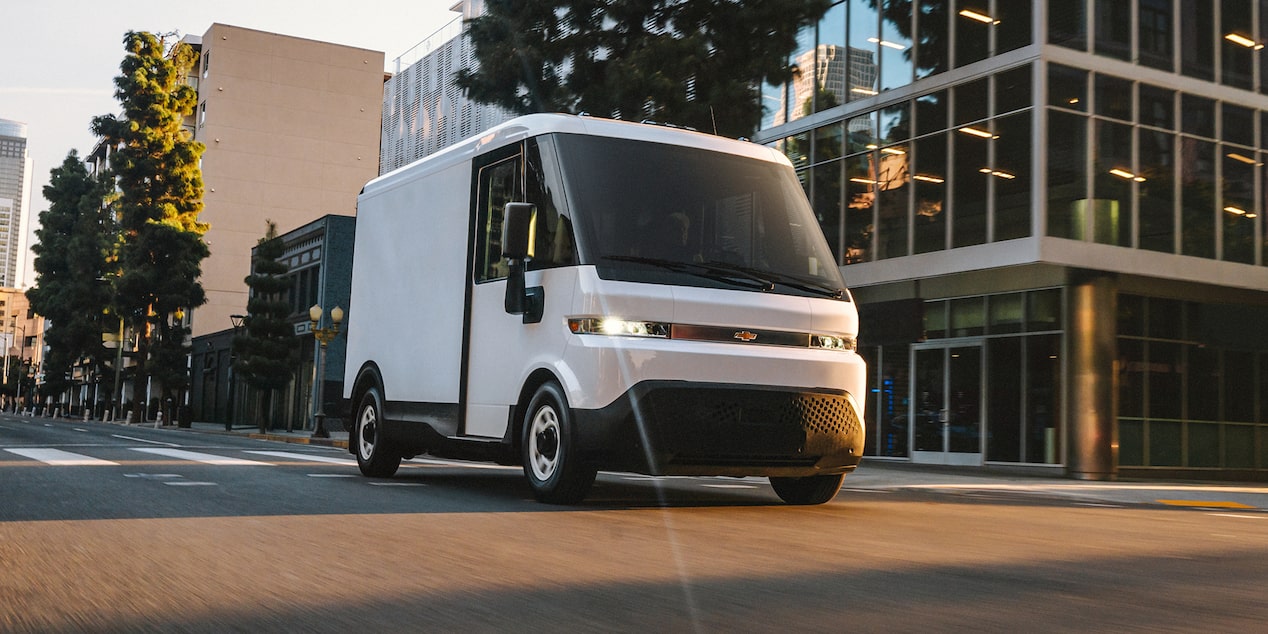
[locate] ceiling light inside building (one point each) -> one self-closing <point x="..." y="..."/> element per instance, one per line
<point x="1242" y="40"/>
<point x="977" y="132"/>
<point x="980" y="17"/>
<point x="894" y="45"/>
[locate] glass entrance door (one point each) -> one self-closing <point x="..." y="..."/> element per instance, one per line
<point x="948" y="392"/>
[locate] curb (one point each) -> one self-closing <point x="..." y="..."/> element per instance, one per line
<point x="301" y="440"/>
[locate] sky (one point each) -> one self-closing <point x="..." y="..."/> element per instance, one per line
<point x="59" y="58"/>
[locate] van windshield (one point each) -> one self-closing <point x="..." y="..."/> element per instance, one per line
<point x="651" y="212"/>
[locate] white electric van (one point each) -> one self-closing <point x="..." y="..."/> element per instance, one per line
<point x="576" y="294"/>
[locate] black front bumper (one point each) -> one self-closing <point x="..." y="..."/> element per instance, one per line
<point x="684" y="428"/>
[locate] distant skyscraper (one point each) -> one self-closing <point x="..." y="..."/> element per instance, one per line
<point x="15" y="200"/>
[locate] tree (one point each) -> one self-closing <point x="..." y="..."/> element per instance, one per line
<point x="71" y="255"/>
<point x="266" y="353"/>
<point x="698" y="64"/>
<point x="155" y="164"/>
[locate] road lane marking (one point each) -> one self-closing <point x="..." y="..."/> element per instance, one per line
<point x="152" y="476"/>
<point x="204" y="458"/>
<point x="460" y="463"/>
<point x="397" y="484"/>
<point x="152" y="442"/>
<point x="1239" y="515"/>
<point x="1206" y="504"/>
<point x="59" y="458"/>
<point x="332" y="475"/>
<point x="83" y="430"/>
<point x="306" y="456"/>
<point x="186" y="483"/>
<point x="729" y="486"/>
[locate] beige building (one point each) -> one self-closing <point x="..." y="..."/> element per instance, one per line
<point x="292" y="133"/>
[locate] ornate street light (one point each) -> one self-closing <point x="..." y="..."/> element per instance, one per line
<point x="236" y="321"/>
<point x="324" y="336"/>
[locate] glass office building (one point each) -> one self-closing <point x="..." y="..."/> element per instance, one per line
<point x="1052" y="216"/>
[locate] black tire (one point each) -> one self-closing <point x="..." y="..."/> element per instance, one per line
<point x="548" y="450"/>
<point x="808" y="490"/>
<point x="374" y="456"/>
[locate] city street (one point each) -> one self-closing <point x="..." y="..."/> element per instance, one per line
<point x="108" y="527"/>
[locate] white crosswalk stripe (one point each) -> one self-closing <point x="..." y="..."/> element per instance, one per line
<point x="306" y="456"/>
<point x="195" y="456"/>
<point x="59" y="458"/>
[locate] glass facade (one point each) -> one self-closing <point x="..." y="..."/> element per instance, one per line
<point x="1132" y="124"/>
<point x="1192" y="385"/>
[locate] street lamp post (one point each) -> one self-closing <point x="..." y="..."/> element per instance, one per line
<point x="324" y="336"/>
<point x="236" y="321"/>
<point x="116" y="393"/>
<point x="17" y="400"/>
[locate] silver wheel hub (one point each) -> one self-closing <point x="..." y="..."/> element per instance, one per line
<point x="543" y="443"/>
<point x="367" y="432"/>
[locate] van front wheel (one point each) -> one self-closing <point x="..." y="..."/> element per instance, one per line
<point x="808" y="490"/>
<point x="551" y="464"/>
<point x="374" y="457"/>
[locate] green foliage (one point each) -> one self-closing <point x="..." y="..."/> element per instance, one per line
<point x="71" y="252"/>
<point x="267" y="351"/>
<point x="697" y="63"/>
<point x="155" y="165"/>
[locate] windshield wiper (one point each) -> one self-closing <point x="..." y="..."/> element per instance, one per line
<point x="772" y="277"/>
<point x="707" y="270"/>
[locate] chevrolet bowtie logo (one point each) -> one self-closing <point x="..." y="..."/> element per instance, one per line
<point x="745" y="336"/>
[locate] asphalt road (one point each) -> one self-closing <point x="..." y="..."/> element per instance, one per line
<point x="176" y="531"/>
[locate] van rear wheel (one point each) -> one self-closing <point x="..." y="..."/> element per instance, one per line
<point x="808" y="490"/>
<point x="548" y="446"/>
<point x="374" y="457"/>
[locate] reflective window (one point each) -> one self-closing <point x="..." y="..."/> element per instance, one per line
<point x="1197" y="116"/>
<point x="1197" y="31"/>
<point x="1043" y="310"/>
<point x="1157" y="107"/>
<point x="1012" y="90"/>
<point x="973" y="25"/>
<point x="860" y="134"/>
<point x="1204" y="383"/>
<point x="1113" y="28"/>
<point x="971" y="181"/>
<point x="1154" y="33"/>
<point x="931" y="113"/>
<point x="968" y="317"/>
<point x="802" y="85"/>
<point x="1197" y="199"/>
<point x="1237" y="44"/>
<point x="1067" y="178"/>
<point x="832" y="63"/>
<point x="1238" y="189"/>
<point x="1004" y="403"/>
<point x="1012" y="176"/>
<point x="860" y="197"/>
<point x="892" y="402"/>
<point x="797" y="149"/>
<point x="929" y="177"/>
<point x="895" y="44"/>
<point x="971" y="101"/>
<point x="894" y="179"/>
<point x="1239" y="386"/>
<point x="1157" y="191"/>
<point x="1115" y="176"/>
<point x="1067" y="87"/>
<point x="1013" y="30"/>
<point x="1166" y="382"/>
<point x="1043" y="399"/>
<point x="1113" y="97"/>
<point x="1238" y="125"/>
<point x="826" y="179"/>
<point x="1131" y="378"/>
<point x="933" y="20"/>
<point x="935" y="320"/>
<point x="864" y="38"/>
<point x="829" y="142"/>
<point x="1263" y="186"/>
<point x="1007" y="313"/>
<point x="1067" y="24"/>
<point x="895" y="123"/>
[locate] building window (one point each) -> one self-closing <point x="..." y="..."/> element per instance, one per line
<point x="1154" y="33"/>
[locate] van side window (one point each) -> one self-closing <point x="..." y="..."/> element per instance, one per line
<point x="499" y="184"/>
<point x="554" y="244"/>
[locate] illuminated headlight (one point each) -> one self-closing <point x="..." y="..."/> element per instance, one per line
<point x="618" y="327"/>
<point x="833" y="342"/>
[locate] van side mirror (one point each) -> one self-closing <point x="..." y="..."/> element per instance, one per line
<point x="517" y="230"/>
<point x="517" y="246"/>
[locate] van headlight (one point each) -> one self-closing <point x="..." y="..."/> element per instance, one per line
<point x="615" y="326"/>
<point x="833" y="342"/>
